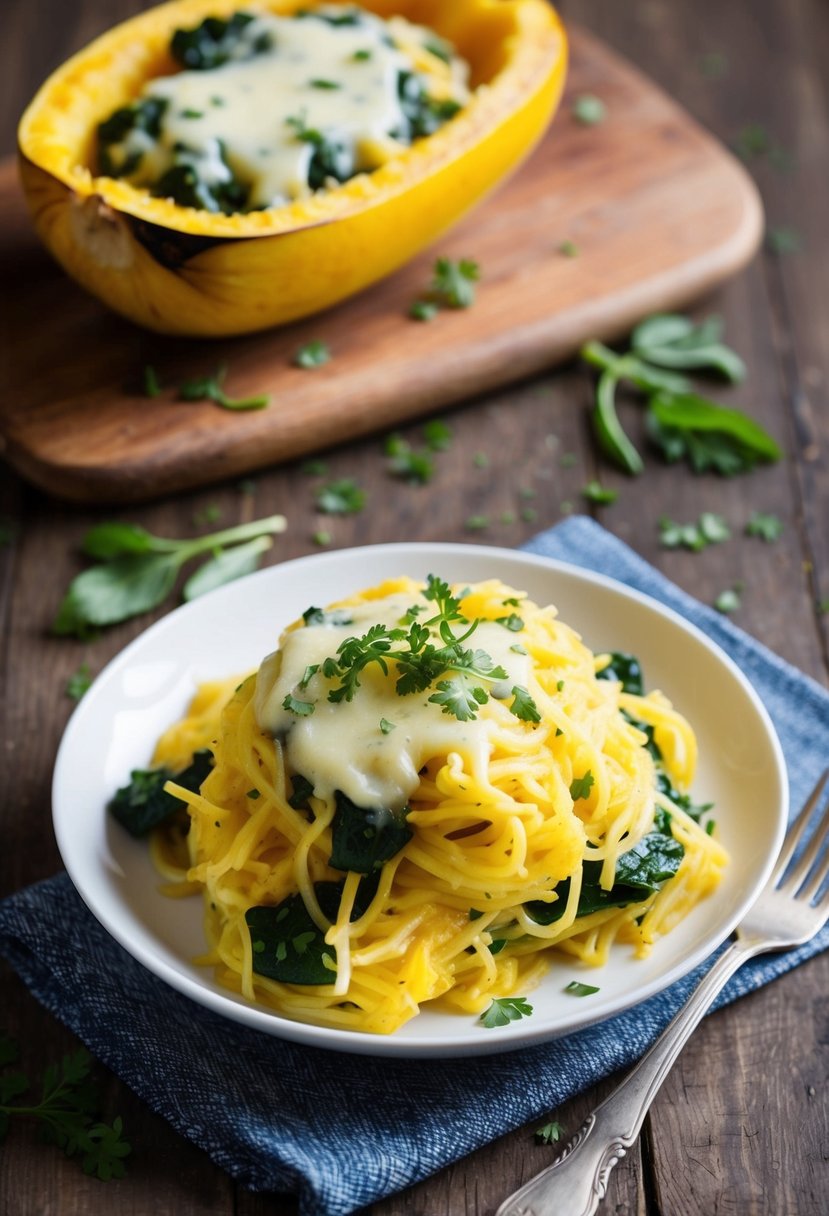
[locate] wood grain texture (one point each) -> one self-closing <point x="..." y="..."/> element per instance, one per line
<point x="660" y="213"/>
<point x="739" y="1128"/>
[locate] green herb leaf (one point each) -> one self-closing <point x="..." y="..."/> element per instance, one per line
<point x="209" y="388"/>
<point x="626" y="669"/>
<point x="423" y="310"/>
<point x="79" y="682"/>
<point x="318" y="83"/>
<point x="675" y="342"/>
<point x="523" y="706"/>
<point x="139" y="571"/>
<point x="782" y="240"/>
<point x="505" y="1009"/>
<point x="767" y="527"/>
<point x="387" y="727"/>
<point x="595" y="492"/>
<point x="729" y="601"/>
<point x="580" y="787"/>
<point x="302" y="709"/>
<point x="230" y="564"/>
<point x="548" y="1133"/>
<point x="459" y="698"/>
<point x="341" y="497"/>
<point x="708" y="435"/>
<point x="313" y="354"/>
<point x="579" y="989"/>
<point x="65" y="1112"/>
<point x="589" y="110"/>
<point x="437" y="435"/>
<point x="408" y="463"/>
<point x="453" y="283"/>
<point x="152" y="388"/>
<point x="568" y="249"/>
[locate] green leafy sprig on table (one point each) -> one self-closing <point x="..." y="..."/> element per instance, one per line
<point x="682" y="424"/>
<point x="137" y="571"/>
<point x="209" y="388"/>
<point x="453" y="286"/>
<point x="65" y="1111"/>
<point x="425" y="652"/>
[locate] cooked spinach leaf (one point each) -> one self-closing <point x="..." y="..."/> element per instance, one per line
<point x="627" y="670"/>
<point x="144" y="115"/>
<point x="287" y="944"/>
<point x="143" y="804"/>
<point x="363" y="838"/>
<point x="639" y="872"/>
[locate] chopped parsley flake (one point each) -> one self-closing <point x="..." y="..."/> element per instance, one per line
<point x="729" y="601"/>
<point x="580" y="787"/>
<point x="579" y="989"/>
<point x="341" y="497"/>
<point x="595" y="492"/>
<point x="302" y="709"/>
<point x="79" y="682"/>
<point x="313" y="354"/>
<point x="589" y="110"/>
<point x="766" y="527"/>
<point x="387" y="727"/>
<point x="549" y="1133"/>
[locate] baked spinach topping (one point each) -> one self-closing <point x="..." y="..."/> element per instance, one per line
<point x="143" y="804"/>
<point x="215" y="42"/>
<point x="363" y="838"/>
<point x="287" y="944"/>
<point x="140" y="141"/>
<point x="144" y="116"/>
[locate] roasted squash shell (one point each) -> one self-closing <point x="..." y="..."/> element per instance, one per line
<point x="179" y="270"/>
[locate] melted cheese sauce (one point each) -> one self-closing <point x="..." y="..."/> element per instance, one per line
<point x="341" y="746"/>
<point x="243" y="118"/>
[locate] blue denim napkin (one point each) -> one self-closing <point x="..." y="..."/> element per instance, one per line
<point x="342" y="1131"/>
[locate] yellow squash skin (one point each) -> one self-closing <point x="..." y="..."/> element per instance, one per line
<point x="178" y="270"/>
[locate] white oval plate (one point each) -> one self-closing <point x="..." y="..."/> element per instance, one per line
<point x="149" y="684"/>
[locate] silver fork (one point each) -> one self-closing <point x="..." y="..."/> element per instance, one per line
<point x="787" y="913"/>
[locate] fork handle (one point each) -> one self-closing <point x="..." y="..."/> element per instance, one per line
<point x="577" y="1180"/>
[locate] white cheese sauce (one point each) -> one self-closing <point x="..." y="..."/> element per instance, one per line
<point x="245" y="117"/>
<point x="341" y="746"/>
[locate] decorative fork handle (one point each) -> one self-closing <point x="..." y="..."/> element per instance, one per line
<point x="577" y="1180"/>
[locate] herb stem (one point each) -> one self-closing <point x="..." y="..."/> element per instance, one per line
<point x="609" y="431"/>
<point x="273" y="524"/>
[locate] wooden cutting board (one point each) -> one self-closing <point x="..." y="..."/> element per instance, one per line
<point x="658" y="211"/>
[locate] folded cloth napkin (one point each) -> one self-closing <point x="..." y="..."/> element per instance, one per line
<point x="341" y="1130"/>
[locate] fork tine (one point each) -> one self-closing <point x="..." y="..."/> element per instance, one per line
<point x="795" y="832"/>
<point x="800" y="874"/>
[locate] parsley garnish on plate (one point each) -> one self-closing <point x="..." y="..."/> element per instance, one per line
<point x="505" y="1009"/>
<point x="579" y="989"/>
<point x="426" y="653"/>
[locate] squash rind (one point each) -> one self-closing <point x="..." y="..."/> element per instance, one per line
<point x="181" y="271"/>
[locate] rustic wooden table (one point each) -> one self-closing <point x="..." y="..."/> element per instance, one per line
<point x="740" y="1125"/>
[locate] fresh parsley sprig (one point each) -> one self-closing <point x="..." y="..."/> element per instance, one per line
<point x="65" y="1111"/>
<point x="425" y="653"/>
<point x="209" y="388"/>
<point x="452" y="286"/>
<point x="680" y="422"/>
<point x="136" y="570"/>
<point x="505" y="1009"/>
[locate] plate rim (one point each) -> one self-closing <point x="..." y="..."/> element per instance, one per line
<point x="518" y="1034"/>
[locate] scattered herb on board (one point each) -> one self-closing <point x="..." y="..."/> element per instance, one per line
<point x="417" y="467"/>
<point x="595" y="492"/>
<point x="589" y="110"/>
<point x="679" y="422"/>
<point x="579" y="989"/>
<point x="730" y="600"/>
<point x="710" y="529"/>
<point x="209" y="388"/>
<point x="136" y="571"/>
<point x="437" y="435"/>
<point x="505" y="1009"/>
<point x="313" y="354"/>
<point x="452" y="286"/>
<point x="548" y="1133"/>
<point x="782" y="239"/>
<point x="341" y="497"/>
<point x="65" y="1110"/>
<point x="765" y="526"/>
<point x="79" y="682"/>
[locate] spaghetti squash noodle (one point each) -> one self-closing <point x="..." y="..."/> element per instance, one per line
<point x="428" y="793"/>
